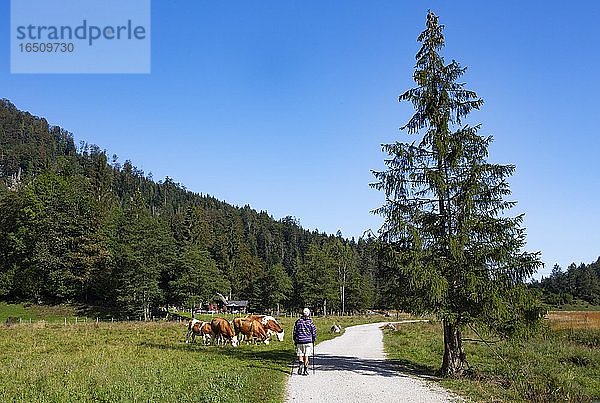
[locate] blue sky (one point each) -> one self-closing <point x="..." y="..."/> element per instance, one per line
<point x="283" y="105"/>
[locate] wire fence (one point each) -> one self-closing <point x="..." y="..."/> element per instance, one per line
<point x="77" y="320"/>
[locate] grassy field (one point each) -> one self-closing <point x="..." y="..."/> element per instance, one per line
<point x="135" y="362"/>
<point x="560" y="364"/>
<point x="48" y="361"/>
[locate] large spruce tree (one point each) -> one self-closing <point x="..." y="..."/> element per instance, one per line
<point x="456" y="250"/>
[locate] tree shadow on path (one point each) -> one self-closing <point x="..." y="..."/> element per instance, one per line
<point x="372" y="367"/>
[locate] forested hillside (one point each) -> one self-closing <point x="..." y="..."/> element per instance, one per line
<point x="77" y="226"/>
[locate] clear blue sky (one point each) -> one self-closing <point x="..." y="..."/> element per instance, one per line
<point x="283" y="105"/>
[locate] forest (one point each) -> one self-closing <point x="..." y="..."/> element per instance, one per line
<point x="577" y="283"/>
<point x="80" y="227"/>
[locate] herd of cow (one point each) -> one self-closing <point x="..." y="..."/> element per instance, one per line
<point x="252" y="329"/>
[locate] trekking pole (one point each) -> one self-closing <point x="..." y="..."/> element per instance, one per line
<point x="294" y="363"/>
<point x="313" y="360"/>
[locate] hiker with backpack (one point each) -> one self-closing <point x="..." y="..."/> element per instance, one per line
<point x="305" y="334"/>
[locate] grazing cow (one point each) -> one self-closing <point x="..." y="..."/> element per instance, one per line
<point x="222" y="331"/>
<point x="197" y="328"/>
<point x="271" y="326"/>
<point x="191" y="324"/>
<point x="250" y="329"/>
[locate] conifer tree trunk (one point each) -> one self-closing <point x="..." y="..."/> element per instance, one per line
<point x="454" y="361"/>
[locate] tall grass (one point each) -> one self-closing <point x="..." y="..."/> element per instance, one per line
<point x="560" y="364"/>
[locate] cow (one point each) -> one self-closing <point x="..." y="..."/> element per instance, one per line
<point x="193" y="323"/>
<point x="198" y="328"/>
<point x="250" y="329"/>
<point x="271" y="326"/>
<point x="222" y="331"/>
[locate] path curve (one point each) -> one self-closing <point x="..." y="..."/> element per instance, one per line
<point x="353" y="368"/>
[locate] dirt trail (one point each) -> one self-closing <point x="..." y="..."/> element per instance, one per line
<point x="353" y="368"/>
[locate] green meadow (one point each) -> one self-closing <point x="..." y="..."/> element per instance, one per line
<point x="559" y="364"/>
<point x="48" y="361"/>
<point x="133" y="362"/>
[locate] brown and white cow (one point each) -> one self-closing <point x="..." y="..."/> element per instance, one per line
<point x="198" y="328"/>
<point x="250" y="329"/>
<point x="271" y="326"/>
<point x="222" y="331"/>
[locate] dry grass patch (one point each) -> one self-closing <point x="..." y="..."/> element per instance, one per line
<point x="574" y="319"/>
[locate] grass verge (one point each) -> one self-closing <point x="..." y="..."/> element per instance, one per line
<point x="557" y="365"/>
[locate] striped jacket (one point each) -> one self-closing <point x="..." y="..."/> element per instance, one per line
<point x="305" y="331"/>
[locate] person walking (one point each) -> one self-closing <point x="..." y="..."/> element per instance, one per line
<point x="305" y="334"/>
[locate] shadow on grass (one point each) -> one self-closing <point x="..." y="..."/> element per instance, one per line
<point x="274" y="359"/>
<point x="283" y="360"/>
<point x="101" y="312"/>
<point x="415" y="369"/>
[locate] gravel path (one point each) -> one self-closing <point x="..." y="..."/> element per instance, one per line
<point x="353" y="368"/>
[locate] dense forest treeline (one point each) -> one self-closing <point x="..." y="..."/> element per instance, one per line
<point x="77" y="227"/>
<point x="576" y="283"/>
